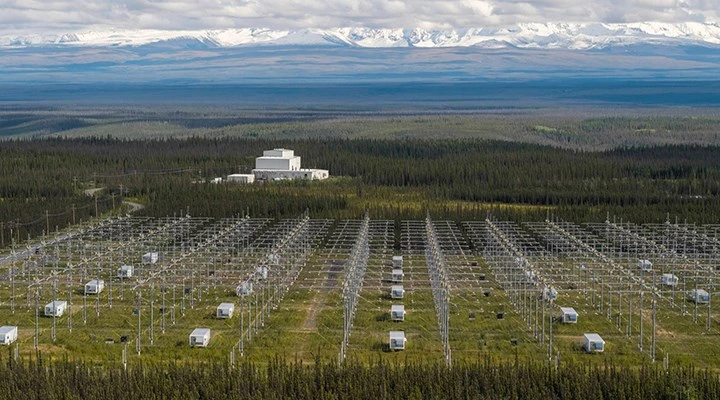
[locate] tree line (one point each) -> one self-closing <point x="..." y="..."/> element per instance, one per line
<point x="393" y="179"/>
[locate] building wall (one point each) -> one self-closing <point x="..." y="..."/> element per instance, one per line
<point x="284" y="163"/>
<point x="310" y="174"/>
<point x="241" y="178"/>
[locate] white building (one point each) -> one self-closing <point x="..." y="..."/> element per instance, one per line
<point x="699" y="296"/>
<point x="397" y="340"/>
<point x="261" y="273"/>
<point x="200" y="337"/>
<point x="397" y="275"/>
<point x="225" y="310"/>
<point x="282" y="164"/>
<point x="125" y="271"/>
<point x="8" y="334"/>
<point x="244" y="289"/>
<point x="150" y="258"/>
<point x="569" y="315"/>
<point x="397" y="312"/>
<point x="56" y="308"/>
<point x="240" y="178"/>
<point x="95" y="286"/>
<point x="397" y="261"/>
<point x="593" y="343"/>
<point x="669" y="280"/>
<point x="278" y="159"/>
<point x="397" y="292"/>
<point x="645" y="265"/>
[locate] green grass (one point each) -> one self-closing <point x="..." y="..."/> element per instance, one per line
<point x="308" y="323"/>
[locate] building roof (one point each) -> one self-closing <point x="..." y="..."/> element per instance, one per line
<point x="397" y="271"/>
<point x="397" y="307"/>
<point x="6" y="329"/>
<point x="96" y="282"/>
<point x="397" y="287"/>
<point x="593" y="337"/>
<point x="568" y="310"/>
<point x="397" y="334"/>
<point x="226" y="305"/>
<point x="200" y="332"/>
<point x="57" y="303"/>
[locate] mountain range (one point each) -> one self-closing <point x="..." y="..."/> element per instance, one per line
<point x="572" y="36"/>
<point x="524" y="52"/>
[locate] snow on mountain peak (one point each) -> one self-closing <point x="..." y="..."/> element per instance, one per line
<point x="578" y="36"/>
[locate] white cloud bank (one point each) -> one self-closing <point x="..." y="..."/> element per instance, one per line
<point x="69" y="16"/>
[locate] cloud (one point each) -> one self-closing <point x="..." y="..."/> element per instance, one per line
<point x="59" y="16"/>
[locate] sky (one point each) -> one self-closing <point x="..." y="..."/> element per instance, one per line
<point x="62" y="16"/>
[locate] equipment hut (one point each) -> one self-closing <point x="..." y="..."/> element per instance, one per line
<point x="200" y="337"/>
<point x="593" y="343"/>
<point x="8" y="334"/>
<point x="225" y="310"/>
<point x="569" y="315"/>
<point x="397" y="340"/>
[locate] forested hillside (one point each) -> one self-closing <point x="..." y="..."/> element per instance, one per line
<point x="455" y="178"/>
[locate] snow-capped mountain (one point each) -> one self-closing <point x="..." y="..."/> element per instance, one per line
<point x="574" y="36"/>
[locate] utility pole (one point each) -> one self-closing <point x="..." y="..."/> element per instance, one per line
<point x="73" y="213"/>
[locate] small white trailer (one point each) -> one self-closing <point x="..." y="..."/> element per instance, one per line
<point x="669" y="280"/>
<point x="225" y="310"/>
<point x="397" y="340"/>
<point x="56" y="308"/>
<point x="645" y="265"/>
<point x="397" y="292"/>
<point x="95" y="286"/>
<point x="397" y="312"/>
<point x="244" y="289"/>
<point x="397" y="261"/>
<point x="569" y="315"/>
<point x="699" y="296"/>
<point x="397" y="275"/>
<point x="8" y="334"/>
<point x="125" y="271"/>
<point x="593" y="343"/>
<point x="200" y="337"/>
<point x="261" y="273"/>
<point x="150" y="258"/>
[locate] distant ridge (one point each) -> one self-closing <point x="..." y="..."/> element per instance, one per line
<point x="568" y="36"/>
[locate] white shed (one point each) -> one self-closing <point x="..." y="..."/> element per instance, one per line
<point x="225" y="310"/>
<point x="397" y="340"/>
<point x="244" y="289"/>
<point x="669" y="280"/>
<point x="549" y="293"/>
<point x="569" y="315"/>
<point x="397" y="261"/>
<point x="150" y="258"/>
<point x="125" y="271"/>
<point x="397" y="275"/>
<point x="8" y="334"/>
<point x="95" y="286"/>
<point x="645" y="265"/>
<point x="200" y="337"/>
<point x="216" y="181"/>
<point x="397" y="292"/>
<point x="699" y="296"/>
<point x="56" y="308"/>
<point x="261" y="273"/>
<point x="397" y="312"/>
<point x="593" y="343"/>
<point x="241" y="178"/>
